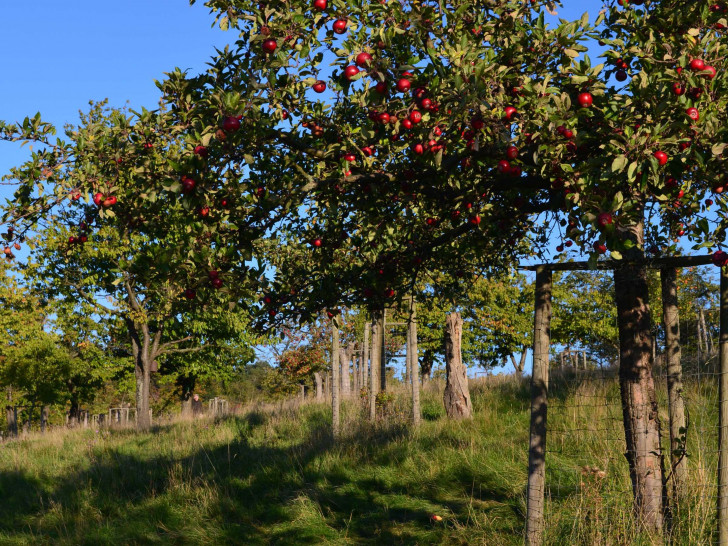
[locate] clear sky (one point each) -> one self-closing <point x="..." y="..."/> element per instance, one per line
<point x="56" y="56"/>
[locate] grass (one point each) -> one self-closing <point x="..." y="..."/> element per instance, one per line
<point x="273" y="475"/>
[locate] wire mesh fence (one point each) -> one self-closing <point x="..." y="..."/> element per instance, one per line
<point x="588" y="488"/>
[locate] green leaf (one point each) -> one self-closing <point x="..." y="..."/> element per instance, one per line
<point x="619" y="163"/>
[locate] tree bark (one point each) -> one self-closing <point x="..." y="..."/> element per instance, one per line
<point x="639" y="404"/>
<point x="518" y="365"/>
<point x="44" y="411"/>
<point x="355" y="364"/>
<point x="12" y="415"/>
<point x="335" y="381"/>
<point x="676" y="404"/>
<point x="539" y="406"/>
<point x="364" y="365"/>
<point x="383" y="352"/>
<point x="413" y="363"/>
<point x="319" y="386"/>
<point x="375" y="365"/>
<point x="344" y="359"/>
<point x="457" y="395"/>
<point x="428" y="360"/>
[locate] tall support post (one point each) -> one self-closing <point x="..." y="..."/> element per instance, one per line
<point x="374" y="366"/>
<point x="539" y="401"/>
<point x="335" y="381"/>
<point x="723" y="415"/>
<point x="413" y="362"/>
<point x="364" y="368"/>
<point x="676" y="404"/>
<point x="383" y="352"/>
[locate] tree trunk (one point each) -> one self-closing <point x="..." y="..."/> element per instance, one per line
<point x="144" y="421"/>
<point x="383" y="351"/>
<point x="187" y="390"/>
<point x="355" y="364"/>
<point x="319" y="386"/>
<point x="639" y="405"/>
<point x="44" y="410"/>
<point x="12" y="415"/>
<point x="335" y="381"/>
<point x="521" y="363"/>
<point x="428" y="360"/>
<point x="364" y="365"/>
<point x="344" y="374"/>
<point x="413" y="362"/>
<point x="457" y="395"/>
<point x="375" y="365"/>
<point x="676" y="404"/>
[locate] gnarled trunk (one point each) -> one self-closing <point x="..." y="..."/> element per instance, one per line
<point x="639" y="404"/>
<point x="457" y="394"/>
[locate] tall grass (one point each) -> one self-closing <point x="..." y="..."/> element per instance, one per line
<point x="273" y="475"/>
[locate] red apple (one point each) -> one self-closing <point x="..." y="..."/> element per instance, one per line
<point x="319" y="86"/>
<point x="188" y="184"/>
<point x="363" y="59"/>
<point x="349" y="157"/>
<point x="418" y="148"/>
<point x="415" y="116"/>
<point x="109" y="201"/>
<point x="381" y="88"/>
<point x="407" y="124"/>
<point x="585" y="100"/>
<point x="350" y="71"/>
<point x="504" y="166"/>
<point x="510" y="111"/>
<point x="678" y="88"/>
<point x="190" y="294"/>
<point x="320" y="5"/>
<point x="403" y="85"/>
<point x="697" y="65"/>
<point x="340" y="26"/>
<point x="389" y="293"/>
<point x="384" y="118"/>
<point x="661" y="157"/>
<point x="601" y="248"/>
<point x="719" y="258"/>
<point x="216" y="283"/>
<point x="204" y="211"/>
<point x="98" y="198"/>
<point x="693" y="114"/>
<point x="317" y="242"/>
<point x="230" y="124"/>
<point x="201" y="151"/>
<point x="621" y="75"/>
<point x="711" y="72"/>
<point x="604" y="219"/>
<point x="270" y="45"/>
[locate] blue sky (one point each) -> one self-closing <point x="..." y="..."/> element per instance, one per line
<point x="59" y="55"/>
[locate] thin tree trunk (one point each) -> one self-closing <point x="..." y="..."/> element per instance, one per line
<point x="676" y="404"/>
<point x="12" y="415"/>
<point x="364" y="366"/>
<point x="319" y="386"/>
<point x="539" y="406"/>
<point x="457" y="394"/>
<point x="639" y="404"/>
<point x="383" y="350"/>
<point x="344" y="377"/>
<point x="413" y="362"/>
<point x="335" y="395"/>
<point x="355" y="364"/>
<point x="374" y="366"/>
<point x="44" y="411"/>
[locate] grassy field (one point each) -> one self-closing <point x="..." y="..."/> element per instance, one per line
<point x="272" y="475"/>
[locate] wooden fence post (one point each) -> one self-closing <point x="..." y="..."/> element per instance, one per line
<point x="723" y="414"/>
<point x="539" y="400"/>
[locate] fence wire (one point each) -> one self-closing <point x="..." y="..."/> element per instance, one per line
<point x="589" y="496"/>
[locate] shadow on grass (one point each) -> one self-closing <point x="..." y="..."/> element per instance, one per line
<point x="309" y="492"/>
